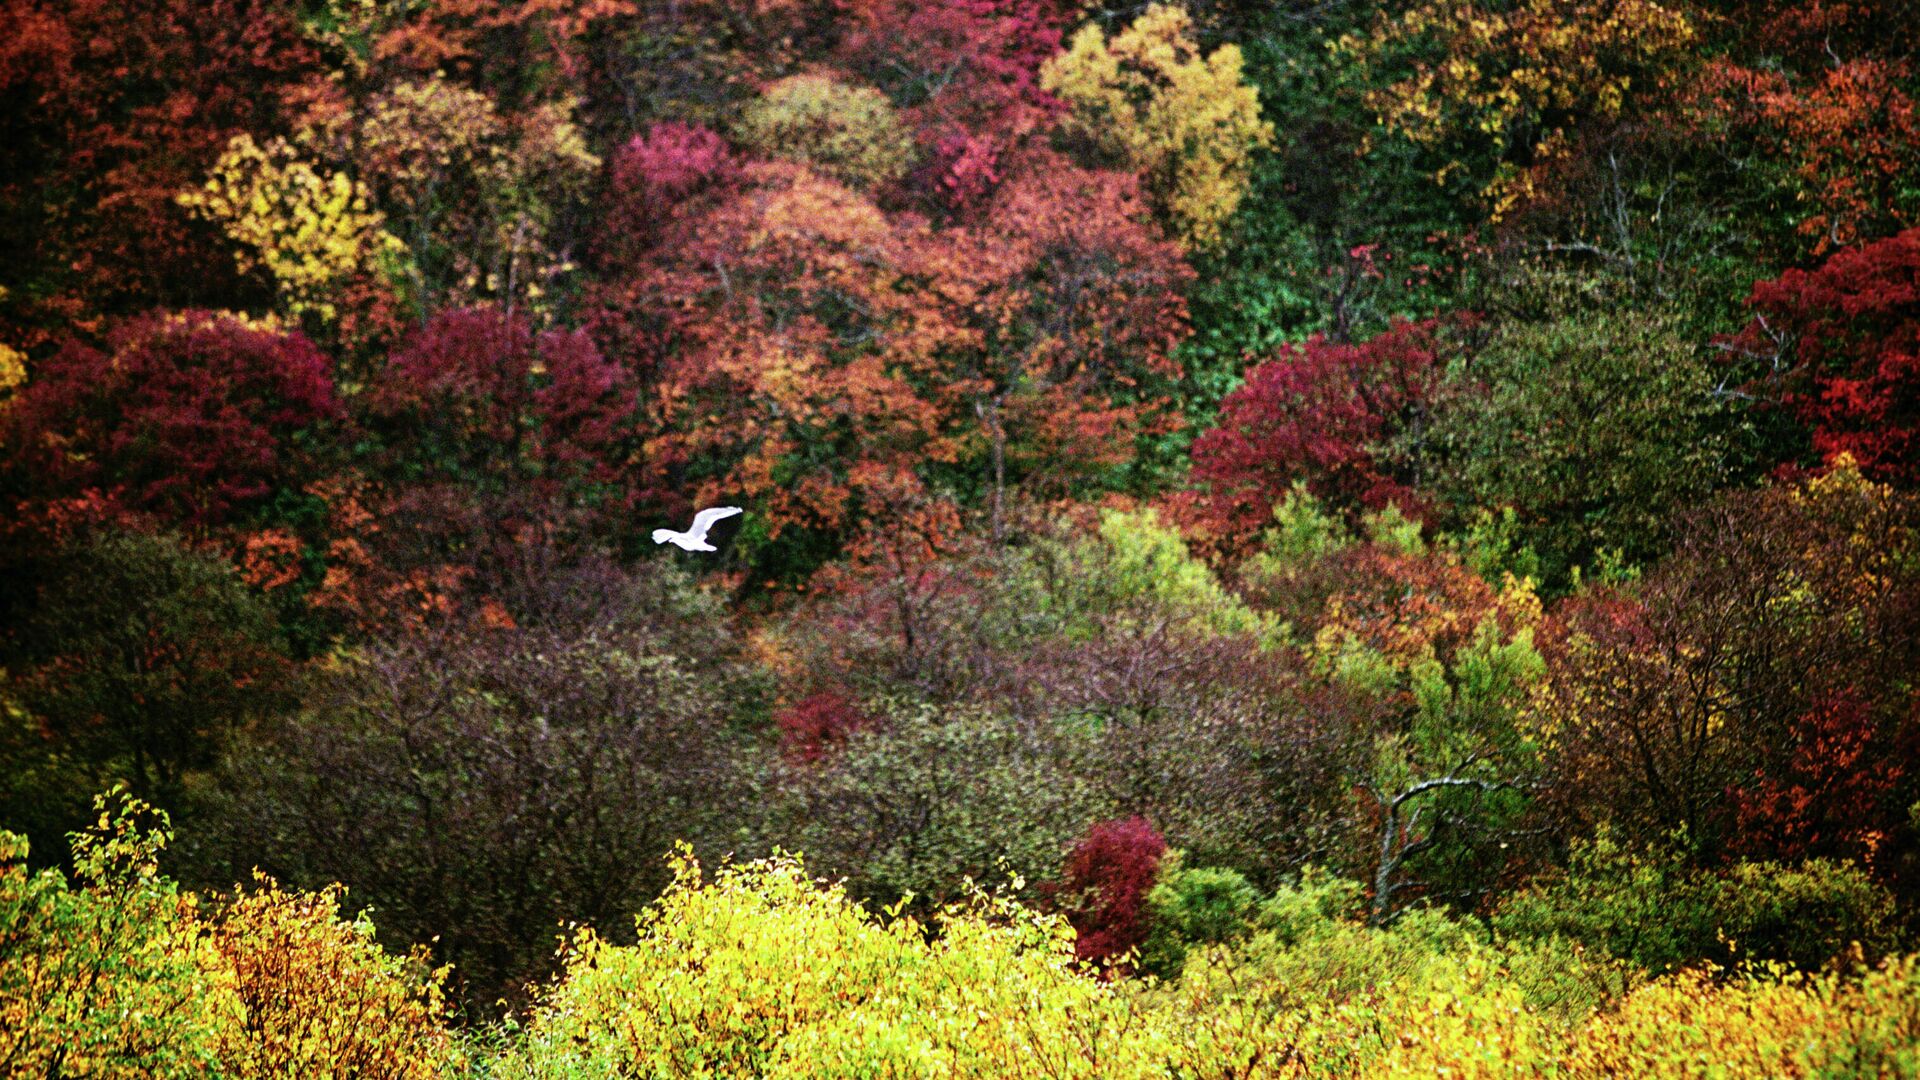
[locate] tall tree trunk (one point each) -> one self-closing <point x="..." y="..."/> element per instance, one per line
<point x="989" y="414"/>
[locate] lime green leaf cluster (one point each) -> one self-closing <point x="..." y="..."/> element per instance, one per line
<point x="105" y="977"/>
<point x="1137" y="563"/>
<point x="761" y="971"/>
<point x="1187" y="906"/>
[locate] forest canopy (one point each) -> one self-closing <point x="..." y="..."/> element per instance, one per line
<point x="1275" y="539"/>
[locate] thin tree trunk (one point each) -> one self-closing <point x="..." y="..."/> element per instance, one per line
<point x="989" y="415"/>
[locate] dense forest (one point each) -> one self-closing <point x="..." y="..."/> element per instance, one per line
<point x="1301" y="538"/>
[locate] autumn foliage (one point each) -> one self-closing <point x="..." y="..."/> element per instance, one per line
<point x="110" y="114"/>
<point x="1843" y="349"/>
<point x="1494" y="90"/>
<point x="1334" y="416"/>
<point x="476" y="395"/>
<point x="1105" y="882"/>
<point x="1152" y="99"/>
<point x="1267" y="540"/>
<point x="118" y="973"/>
<point x="813" y="727"/>
<point x="195" y="417"/>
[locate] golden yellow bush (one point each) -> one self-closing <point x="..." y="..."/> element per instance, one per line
<point x="13" y="369"/>
<point x="1471" y="1022"/>
<point x="319" y="997"/>
<point x="117" y="973"/>
<point x="1189" y="122"/>
<point x="1488" y="84"/>
<point x="761" y="970"/>
<point x="1769" y="1023"/>
<point x="850" y="133"/>
<point x="308" y="229"/>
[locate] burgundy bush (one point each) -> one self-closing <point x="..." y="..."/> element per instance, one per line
<point x="194" y="418"/>
<point x="812" y="727"/>
<point x="475" y="393"/>
<point x="1105" y="884"/>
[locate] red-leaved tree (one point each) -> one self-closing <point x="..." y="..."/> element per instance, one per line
<point x="1823" y="792"/>
<point x="1323" y="413"/>
<point x="495" y="441"/>
<point x="1105" y="883"/>
<point x="476" y="395"/>
<point x="192" y="418"/>
<point x="1842" y="347"/>
<point x="655" y="177"/>
<point x="815" y="726"/>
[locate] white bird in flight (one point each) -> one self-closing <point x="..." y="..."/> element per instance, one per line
<point x="695" y="538"/>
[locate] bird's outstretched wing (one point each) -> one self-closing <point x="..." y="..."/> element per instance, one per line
<point x="704" y="520"/>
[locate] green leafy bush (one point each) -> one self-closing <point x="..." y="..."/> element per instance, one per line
<point x="141" y="660"/>
<point x="1202" y="905"/>
<point x="927" y="798"/>
<point x="1650" y="908"/>
<point x="104" y="975"/>
<point x="1596" y="428"/>
<point x="1134" y="565"/>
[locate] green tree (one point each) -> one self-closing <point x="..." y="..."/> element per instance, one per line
<point x="1596" y="427"/>
<point x="140" y="660"/>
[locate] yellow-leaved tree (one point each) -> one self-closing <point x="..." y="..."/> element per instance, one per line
<point x="1189" y="123"/>
<point x="307" y="228"/>
<point x="1497" y="90"/>
<point x="850" y="133"/>
<point x="13" y="370"/>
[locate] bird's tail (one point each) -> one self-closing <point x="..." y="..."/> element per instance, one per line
<point x="661" y="536"/>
